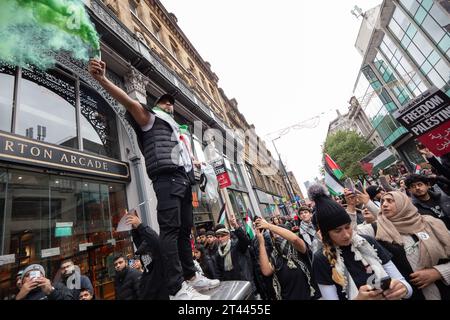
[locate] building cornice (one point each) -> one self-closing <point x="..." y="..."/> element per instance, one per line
<point x="168" y="19"/>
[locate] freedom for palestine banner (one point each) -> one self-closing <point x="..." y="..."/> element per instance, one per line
<point x="428" y="118"/>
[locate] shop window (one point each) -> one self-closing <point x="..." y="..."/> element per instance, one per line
<point x="47" y="108"/>
<point x="75" y="218"/>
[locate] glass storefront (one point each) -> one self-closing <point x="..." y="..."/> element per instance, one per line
<point x="47" y="110"/>
<point x="203" y="209"/>
<point x="46" y="218"/>
<point x="240" y="203"/>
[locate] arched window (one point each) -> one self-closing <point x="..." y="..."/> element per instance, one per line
<point x="47" y="111"/>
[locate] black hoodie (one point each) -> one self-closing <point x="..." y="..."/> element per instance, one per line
<point x="127" y="284"/>
<point x="153" y="285"/>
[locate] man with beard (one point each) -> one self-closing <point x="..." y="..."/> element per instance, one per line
<point x="427" y="201"/>
<point x="72" y="278"/>
<point x="232" y="259"/>
<point x="127" y="280"/>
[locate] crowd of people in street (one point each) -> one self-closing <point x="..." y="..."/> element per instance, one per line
<point x="389" y="242"/>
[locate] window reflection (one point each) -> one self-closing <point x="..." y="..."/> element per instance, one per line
<point x="98" y="124"/>
<point x="46" y="211"/>
<point x="6" y="97"/>
<point x="47" y="108"/>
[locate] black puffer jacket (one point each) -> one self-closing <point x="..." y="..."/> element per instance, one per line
<point x="127" y="284"/>
<point x="157" y="145"/>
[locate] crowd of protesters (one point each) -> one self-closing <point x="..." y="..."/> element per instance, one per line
<point x="387" y="241"/>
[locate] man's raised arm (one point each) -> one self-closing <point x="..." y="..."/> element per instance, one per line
<point x="98" y="69"/>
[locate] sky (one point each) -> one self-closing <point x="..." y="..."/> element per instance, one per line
<point x="284" y="61"/>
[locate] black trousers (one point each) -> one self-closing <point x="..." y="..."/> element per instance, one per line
<point x="175" y="219"/>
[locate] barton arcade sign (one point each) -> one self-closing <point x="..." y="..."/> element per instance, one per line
<point x="18" y="149"/>
<point x="428" y="118"/>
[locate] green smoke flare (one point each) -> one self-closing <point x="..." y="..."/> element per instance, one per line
<point x="30" y="30"/>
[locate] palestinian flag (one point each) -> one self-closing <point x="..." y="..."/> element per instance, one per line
<point x="223" y="218"/>
<point x="249" y="226"/>
<point x="417" y="168"/>
<point x="378" y="159"/>
<point x="333" y="167"/>
<point x="334" y="186"/>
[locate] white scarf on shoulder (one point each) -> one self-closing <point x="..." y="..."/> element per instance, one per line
<point x="180" y="154"/>
<point x="368" y="255"/>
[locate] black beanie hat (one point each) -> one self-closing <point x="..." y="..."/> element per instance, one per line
<point x="372" y="191"/>
<point x="329" y="214"/>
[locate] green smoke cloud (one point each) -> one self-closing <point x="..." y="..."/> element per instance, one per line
<point x="30" y="30"/>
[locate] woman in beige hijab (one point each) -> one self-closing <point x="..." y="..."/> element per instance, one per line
<point x="420" y="245"/>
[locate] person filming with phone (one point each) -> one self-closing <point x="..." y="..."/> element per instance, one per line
<point x="350" y="266"/>
<point x="419" y="244"/>
<point x="286" y="261"/>
<point x="35" y="286"/>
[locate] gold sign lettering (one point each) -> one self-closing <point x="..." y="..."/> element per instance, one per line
<point x="48" y="154"/>
<point x="41" y="154"/>
<point x="35" y="151"/>
<point x="9" y="145"/>
<point x="64" y="158"/>
<point x="22" y="146"/>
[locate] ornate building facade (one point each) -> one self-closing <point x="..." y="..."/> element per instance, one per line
<point x="69" y="162"/>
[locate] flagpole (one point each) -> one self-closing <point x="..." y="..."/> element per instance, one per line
<point x="229" y="213"/>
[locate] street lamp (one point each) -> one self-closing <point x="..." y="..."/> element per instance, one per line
<point x="288" y="185"/>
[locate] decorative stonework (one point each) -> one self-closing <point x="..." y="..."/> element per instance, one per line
<point x="80" y="69"/>
<point x="113" y="24"/>
<point x="136" y="81"/>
